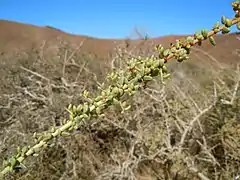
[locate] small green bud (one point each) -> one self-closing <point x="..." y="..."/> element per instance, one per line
<point x="75" y="127"/>
<point x="85" y="107"/>
<point x="127" y="108"/>
<point x="18" y="149"/>
<point x="121" y="92"/>
<point x="147" y="78"/>
<point x="148" y="63"/>
<point x="51" y="145"/>
<point x="200" y="37"/>
<point x="217" y="25"/>
<point x="204" y="33"/>
<point x="166" y="76"/>
<point x="40" y="138"/>
<point x="123" y="104"/>
<point x="69" y="106"/>
<point x="74" y="109"/>
<point x="109" y="98"/>
<point x="24" y="150"/>
<point x="79" y="108"/>
<point x="81" y="117"/>
<point x="12" y="161"/>
<point x="85" y="93"/>
<point x="85" y="116"/>
<point x="225" y="30"/>
<point x="5" y="163"/>
<point x="125" y="86"/>
<point x="71" y="116"/>
<point x="131" y="86"/>
<point x="47" y="137"/>
<point x="98" y="110"/>
<point x="223" y="20"/>
<point x="160" y="48"/>
<point x="99" y="97"/>
<point x="132" y="65"/>
<point x="115" y="101"/>
<point x="161" y="61"/>
<point x="64" y="122"/>
<point x="164" y="69"/>
<point x="147" y="70"/>
<point x="188" y="46"/>
<point x="92" y="107"/>
<point x="189" y="38"/>
<point x="155" y="64"/>
<point x="166" y="52"/>
<point x="173" y="49"/>
<point x="115" y="91"/>
<point x="121" y="80"/>
<point x="35" y="135"/>
<point x="216" y="30"/>
<point x="65" y="134"/>
<point x="212" y="41"/>
<point x="228" y="23"/>
<point x="178" y="44"/>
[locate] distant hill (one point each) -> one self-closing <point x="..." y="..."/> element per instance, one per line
<point x="15" y="35"/>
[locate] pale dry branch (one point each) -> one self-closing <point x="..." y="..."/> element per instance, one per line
<point x="191" y="124"/>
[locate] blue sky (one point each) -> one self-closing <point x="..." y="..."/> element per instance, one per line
<point x="118" y="18"/>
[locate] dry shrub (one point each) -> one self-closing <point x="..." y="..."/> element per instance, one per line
<point x="186" y="129"/>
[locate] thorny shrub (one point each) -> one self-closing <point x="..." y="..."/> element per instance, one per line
<point x="171" y="133"/>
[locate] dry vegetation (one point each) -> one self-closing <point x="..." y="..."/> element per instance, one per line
<point x="187" y="128"/>
<point x="173" y="131"/>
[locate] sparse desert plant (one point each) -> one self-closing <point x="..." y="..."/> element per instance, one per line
<point x="126" y="82"/>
